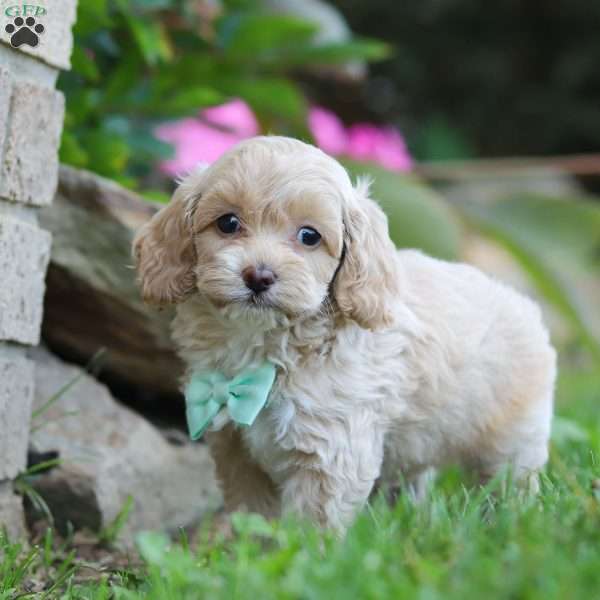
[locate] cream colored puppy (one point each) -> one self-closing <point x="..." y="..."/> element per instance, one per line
<point x="387" y="362"/>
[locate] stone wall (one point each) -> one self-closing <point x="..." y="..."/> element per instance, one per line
<point x="31" y="120"/>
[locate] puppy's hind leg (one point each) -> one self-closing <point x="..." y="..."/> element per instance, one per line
<point x="419" y="486"/>
<point x="416" y="485"/>
<point x="244" y="484"/>
<point x="521" y="450"/>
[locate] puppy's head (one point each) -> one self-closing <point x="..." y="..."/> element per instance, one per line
<point x="274" y="225"/>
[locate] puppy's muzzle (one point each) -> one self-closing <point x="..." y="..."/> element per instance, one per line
<point x="258" y="279"/>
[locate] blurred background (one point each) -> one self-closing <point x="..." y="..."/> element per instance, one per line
<point x="472" y="122"/>
<point x="480" y="127"/>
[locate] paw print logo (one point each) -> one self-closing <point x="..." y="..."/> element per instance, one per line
<point x="24" y="31"/>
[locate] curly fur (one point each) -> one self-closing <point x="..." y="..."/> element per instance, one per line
<point x="388" y="362"/>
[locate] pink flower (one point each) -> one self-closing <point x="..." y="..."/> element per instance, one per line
<point x="328" y="130"/>
<point x="219" y="128"/>
<point x="205" y="139"/>
<point x="235" y="115"/>
<point x="383" y="145"/>
<point x="362" y="141"/>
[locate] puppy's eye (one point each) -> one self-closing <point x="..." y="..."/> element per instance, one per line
<point x="308" y="236"/>
<point x="229" y="223"/>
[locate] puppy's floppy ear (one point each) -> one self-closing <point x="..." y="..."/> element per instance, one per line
<point x="367" y="284"/>
<point x="164" y="249"/>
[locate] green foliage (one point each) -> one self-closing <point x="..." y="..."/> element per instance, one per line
<point x="464" y="546"/>
<point x="261" y="37"/>
<point x="418" y="216"/>
<point x="20" y="565"/>
<point x="557" y="242"/>
<point x="136" y="64"/>
<point x="327" y="54"/>
<point x="110" y="534"/>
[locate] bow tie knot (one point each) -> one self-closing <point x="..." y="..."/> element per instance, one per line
<point x="221" y="392"/>
<point x="243" y="396"/>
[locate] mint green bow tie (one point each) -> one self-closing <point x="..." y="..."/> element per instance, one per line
<point x="244" y="396"/>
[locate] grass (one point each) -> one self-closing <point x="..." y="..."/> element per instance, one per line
<point x="462" y="544"/>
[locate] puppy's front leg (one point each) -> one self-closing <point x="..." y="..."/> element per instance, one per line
<point x="244" y="484"/>
<point x="330" y="483"/>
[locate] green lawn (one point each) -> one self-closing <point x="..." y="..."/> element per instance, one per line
<point x="463" y="544"/>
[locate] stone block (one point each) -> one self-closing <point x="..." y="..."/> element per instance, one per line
<point x="5" y="93"/>
<point x="23" y="67"/>
<point x="16" y="396"/>
<point x="19" y="212"/>
<point x="55" y="43"/>
<point x="29" y="167"/>
<point x="11" y="512"/>
<point x="24" y="255"/>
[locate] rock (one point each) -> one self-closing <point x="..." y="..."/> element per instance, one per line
<point x="92" y="300"/>
<point x="108" y="453"/>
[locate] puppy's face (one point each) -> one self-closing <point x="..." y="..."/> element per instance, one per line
<point x="273" y="226"/>
<point x="267" y="243"/>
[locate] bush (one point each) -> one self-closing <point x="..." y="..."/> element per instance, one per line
<point x="137" y="63"/>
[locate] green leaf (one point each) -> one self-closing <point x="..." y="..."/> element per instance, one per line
<point x="246" y="35"/>
<point x="151" y="5"/>
<point x="418" y="217"/>
<point x="84" y="65"/>
<point x="151" y="38"/>
<point x="81" y="106"/>
<point x="557" y="241"/>
<point x="119" y="85"/>
<point x="342" y="52"/>
<point x="147" y="147"/>
<point x="152" y="546"/>
<point x="188" y="101"/>
<point x="71" y="152"/>
<point x="91" y="16"/>
<point x="199" y="70"/>
<point x="110" y="533"/>
<point x="251" y="524"/>
<point x="270" y="97"/>
<point x="108" y="153"/>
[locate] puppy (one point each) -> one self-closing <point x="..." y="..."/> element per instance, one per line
<point x="386" y="362"/>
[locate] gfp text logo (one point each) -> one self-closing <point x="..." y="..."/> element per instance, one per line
<point x="25" y="10"/>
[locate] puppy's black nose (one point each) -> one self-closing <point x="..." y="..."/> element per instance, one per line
<point x="258" y="280"/>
